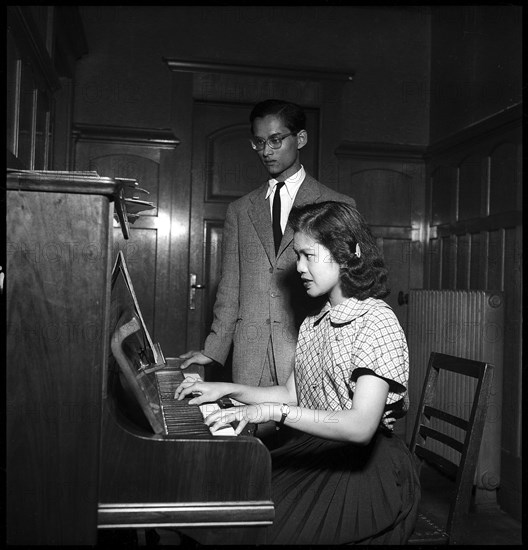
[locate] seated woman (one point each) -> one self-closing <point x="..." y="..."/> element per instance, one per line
<point x="341" y="476"/>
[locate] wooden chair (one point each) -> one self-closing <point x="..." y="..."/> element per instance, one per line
<point x="437" y="432"/>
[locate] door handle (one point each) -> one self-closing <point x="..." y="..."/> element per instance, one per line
<point x="193" y="287"/>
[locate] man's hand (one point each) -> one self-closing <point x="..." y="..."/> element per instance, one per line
<point x="196" y="357"/>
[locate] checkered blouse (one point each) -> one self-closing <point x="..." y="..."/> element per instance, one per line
<point x="339" y="344"/>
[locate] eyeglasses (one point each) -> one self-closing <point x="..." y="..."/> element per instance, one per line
<point x="274" y="141"/>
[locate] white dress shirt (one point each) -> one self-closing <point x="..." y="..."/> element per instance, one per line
<point x="287" y="194"/>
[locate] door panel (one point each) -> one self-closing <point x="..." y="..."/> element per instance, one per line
<point x="148" y="248"/>
<point x="389" y="194"/>
<point x="224" y="168"/>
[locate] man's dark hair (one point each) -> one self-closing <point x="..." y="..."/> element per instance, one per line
<point x="291" y="114"/>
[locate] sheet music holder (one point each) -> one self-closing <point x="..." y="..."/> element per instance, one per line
<point x="132" y="346"/>
<point x="138" y="359"/>
<point x="151" y="355"/>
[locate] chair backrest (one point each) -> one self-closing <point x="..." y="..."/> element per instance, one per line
<point x="446" y="429"/>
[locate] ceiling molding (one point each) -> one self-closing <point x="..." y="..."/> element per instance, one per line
<point x="283" y="72"/>
<point x="151" y="137"/>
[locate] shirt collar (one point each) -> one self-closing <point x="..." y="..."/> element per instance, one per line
<point x="347" y="311"/>
<point x="292" y="183"/>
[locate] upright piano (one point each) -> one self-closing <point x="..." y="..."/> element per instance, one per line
<point x="82" y="454"/>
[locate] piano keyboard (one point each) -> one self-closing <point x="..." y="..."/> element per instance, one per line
<point x="179" y="417"/>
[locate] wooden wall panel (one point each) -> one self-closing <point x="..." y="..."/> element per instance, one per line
<point x="447" y="268"/>
<point x="434" y="263"/>
<point x="470" y="187"/>
<point x="443" y="184"/>
<point x="478" y="246"/>
<point x="394" y="186"/>
<point x="474" y="265"/>
<point x="463" y="251"/>
<point x="387" y="182"/>
<point x="495" y="259"/>
<point x="504" y="178"/>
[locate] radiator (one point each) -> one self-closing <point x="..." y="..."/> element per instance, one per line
<point x="470" y="324"/>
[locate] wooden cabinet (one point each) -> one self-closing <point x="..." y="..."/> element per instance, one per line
<point x="43" y="43"/>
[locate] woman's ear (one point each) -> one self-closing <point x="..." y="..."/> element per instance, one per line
<point x="302" y="138"/>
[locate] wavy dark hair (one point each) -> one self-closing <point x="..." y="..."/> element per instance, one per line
<point x="339" y="227"/>
<point x="291" y="114"/>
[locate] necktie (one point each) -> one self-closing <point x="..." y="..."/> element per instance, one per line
<point x="276" y="216"/>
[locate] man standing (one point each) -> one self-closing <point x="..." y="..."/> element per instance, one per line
<point x="260" y="301"/>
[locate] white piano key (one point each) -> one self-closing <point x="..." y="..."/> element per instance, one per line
<point x="209" y="408"/>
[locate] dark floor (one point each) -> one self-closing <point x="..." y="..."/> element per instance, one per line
<point x="484" y="528"/>
<point x="486" y="525"/>
<point x="492" y="528"/>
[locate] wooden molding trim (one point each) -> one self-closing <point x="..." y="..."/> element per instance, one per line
<point x="391" y="232"/>
<point x="284" y="72"/>
<point x="176" y="514"/>
<point x="146" y="137"/>
<point x="503" y="121"/>
<point x="32" y="47"/>
<point x="382" y="151"/>
<point x="85" y="183"/>
<point x="492" y="222"/>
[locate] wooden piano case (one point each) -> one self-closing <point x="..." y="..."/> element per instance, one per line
<point x="57" y="290"/>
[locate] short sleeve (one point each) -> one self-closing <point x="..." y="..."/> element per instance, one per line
<point x="381" y="348"/>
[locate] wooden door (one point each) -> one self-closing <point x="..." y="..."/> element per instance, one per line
<point x="148" y="157"/>
<point x="224" y="168"/>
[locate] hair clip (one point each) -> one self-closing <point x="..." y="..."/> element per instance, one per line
<point x="358" y="251"/>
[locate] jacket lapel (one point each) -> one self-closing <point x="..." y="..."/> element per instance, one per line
<point x="260" y="216"/>
<point x="308" y="193"/>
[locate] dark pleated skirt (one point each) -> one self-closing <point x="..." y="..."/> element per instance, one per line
<point x="328" y="492"/>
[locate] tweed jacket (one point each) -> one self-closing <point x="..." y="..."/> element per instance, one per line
<point x="260" y="295"/>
